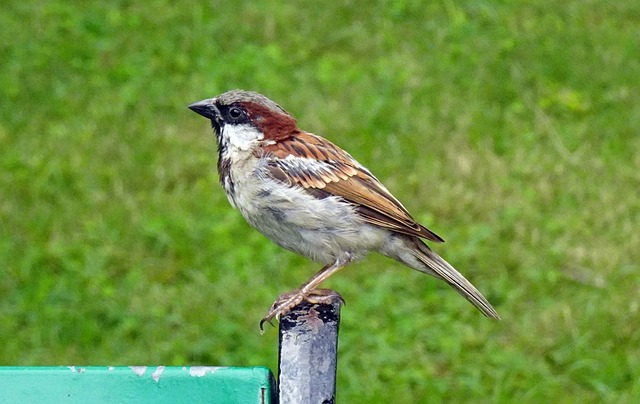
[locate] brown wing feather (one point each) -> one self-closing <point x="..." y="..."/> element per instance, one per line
<point x="337" y="173"/>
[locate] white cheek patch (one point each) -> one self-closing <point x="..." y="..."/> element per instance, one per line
<point x="241" y="137"/>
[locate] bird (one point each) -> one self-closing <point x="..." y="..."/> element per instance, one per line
<point x="311" y="197"/>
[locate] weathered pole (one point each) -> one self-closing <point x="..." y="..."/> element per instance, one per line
<point x="308" y="353"/>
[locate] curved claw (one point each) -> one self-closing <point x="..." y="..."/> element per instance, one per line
<point x="265" y="320"/>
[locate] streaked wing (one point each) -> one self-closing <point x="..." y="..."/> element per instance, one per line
<point x="324" y="169"/>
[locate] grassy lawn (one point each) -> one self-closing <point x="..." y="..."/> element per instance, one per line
<point x="511" y="129"/>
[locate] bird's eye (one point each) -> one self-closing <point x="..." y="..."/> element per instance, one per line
<point x="235" y="112"/>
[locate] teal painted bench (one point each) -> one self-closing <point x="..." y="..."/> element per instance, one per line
<point x="137" y="384"/>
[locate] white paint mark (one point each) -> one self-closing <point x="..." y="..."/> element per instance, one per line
<point x="139" y="370"/>
<point x="157" y="373"/>
<point x="199" y="371"/>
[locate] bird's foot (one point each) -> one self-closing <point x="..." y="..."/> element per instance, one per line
<point x="287" y="301"/>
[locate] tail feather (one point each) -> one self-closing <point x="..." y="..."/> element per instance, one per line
<point x="436" y="265"/>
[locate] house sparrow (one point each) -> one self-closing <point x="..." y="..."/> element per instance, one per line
<point x="311" y="197"/>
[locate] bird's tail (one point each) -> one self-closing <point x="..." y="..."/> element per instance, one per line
<point x="437" y="266"/>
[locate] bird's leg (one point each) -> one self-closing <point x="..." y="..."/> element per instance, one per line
<point x="307" y="291"/>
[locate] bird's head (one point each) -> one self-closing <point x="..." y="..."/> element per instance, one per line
<point x="241" y="118"/>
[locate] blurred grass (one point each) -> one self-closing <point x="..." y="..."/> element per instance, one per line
<point x="510" y="129"/>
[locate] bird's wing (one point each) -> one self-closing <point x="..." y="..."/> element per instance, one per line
<point x="323" y="169"/>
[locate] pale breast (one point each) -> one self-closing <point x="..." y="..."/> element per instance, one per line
<point x="319" y="229"/>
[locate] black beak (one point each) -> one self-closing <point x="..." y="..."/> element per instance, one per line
<point x="206" y="108"/>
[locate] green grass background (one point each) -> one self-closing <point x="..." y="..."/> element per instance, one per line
<point x="509" y="128"/>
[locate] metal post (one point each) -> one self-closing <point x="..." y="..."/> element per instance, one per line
<point x="308" y="353"/>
